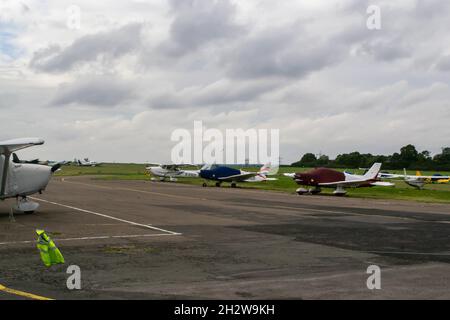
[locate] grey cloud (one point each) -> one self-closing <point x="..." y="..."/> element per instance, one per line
<point x="431" y="8"/>
<point x="444" y="63"/>
<point x="166" y="101"/>
<point x="288" y="52"/>
<point x="216" y="94"/>
<point x="405" y="28"/>
<point x="219" y="68"/>
<point x="114" y="43"/>
<point x="385" y="49"/>
<point x="198" y="22"/>
<point x="98" y="91"/>
<point x="7" y="100"/>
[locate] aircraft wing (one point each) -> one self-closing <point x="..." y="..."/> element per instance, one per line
<point x="153" y="164"/>
<point x="431" y="177"/>
<point x="382" y="184"/>
<point x="10" y="146"/>
<point x="343" y="183"/>
<point x="382" y="175"/>
<point x="290" y="175"/>
<point x="239" y="177"/>
<point x="172" y="166"/>
<point x="406" y="176"/>
<point x="402" y="176"/>
<point x="355" y="183"/>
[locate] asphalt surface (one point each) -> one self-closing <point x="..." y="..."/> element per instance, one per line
<point x="152" y="240"/>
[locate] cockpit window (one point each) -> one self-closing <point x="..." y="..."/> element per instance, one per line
<point x="209" y="167"/>
<point x="15" y="158"/>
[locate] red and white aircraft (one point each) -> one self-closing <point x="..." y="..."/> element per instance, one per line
<point x="328" y="178"/>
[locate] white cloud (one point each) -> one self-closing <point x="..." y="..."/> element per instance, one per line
<point x="136" y="70"/>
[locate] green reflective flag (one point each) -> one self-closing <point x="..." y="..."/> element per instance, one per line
<point x="50" y="254"/>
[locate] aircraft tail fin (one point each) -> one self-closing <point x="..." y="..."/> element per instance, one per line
<point x="373" y="172"/>
<point x="269" y="169"/>
<point x="265" y="169"/>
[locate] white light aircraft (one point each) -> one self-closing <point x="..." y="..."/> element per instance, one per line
<point x="19" y="180"/>
<point x="170" y="172"/>
<point x="86" y="163"/>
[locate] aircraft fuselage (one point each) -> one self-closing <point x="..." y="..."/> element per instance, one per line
<point x="317" y="176"/>
<point x="219" y="172"/>
<point x="23" y="179"/>
<point x="320" y="176"/>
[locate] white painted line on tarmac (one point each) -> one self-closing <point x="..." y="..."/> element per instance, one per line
<point x="96" y="238"/>
<point x="135" y="190"/>
<point x="412" y="253"/>
<point x="106" y="216"/>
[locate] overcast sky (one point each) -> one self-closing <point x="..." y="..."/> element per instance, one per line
<point x="115" y="89"/>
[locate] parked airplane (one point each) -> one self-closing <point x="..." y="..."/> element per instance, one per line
<point x="441" y="179"/>
<point x="328" y="178"/>
<point x="226" y="174"/>
<point x="171" y="172"/>
<point x="435" y="178"/>
<point x="50" y="163"/>
<point x="19" y="180"/>
<point x="418" y="181"/>
<point x="17" y="160"/>
<point x="86" y="163"/>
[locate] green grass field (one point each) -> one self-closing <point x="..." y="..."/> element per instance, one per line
<point x="432" y="192"/>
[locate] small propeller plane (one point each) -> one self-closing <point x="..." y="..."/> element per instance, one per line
<point x="328" y="178"/>
<point x="418" y="181"/>
<point x="170" y="171"/>
<point x="19" y="180"/>
<point x="86" y="163"/>
<point x="226" y="174"/>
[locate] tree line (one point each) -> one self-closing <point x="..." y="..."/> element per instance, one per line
<point x="408" y="158"/>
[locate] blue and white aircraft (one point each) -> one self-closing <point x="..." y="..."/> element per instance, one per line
<point x="226" y="174"/>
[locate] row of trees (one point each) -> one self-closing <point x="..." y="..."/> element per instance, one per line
<point x="408" y="158"/>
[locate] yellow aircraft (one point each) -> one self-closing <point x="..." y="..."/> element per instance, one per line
<point x="435" y="178"/>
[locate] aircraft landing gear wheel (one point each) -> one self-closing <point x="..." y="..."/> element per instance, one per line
<point x="204" y="185"/>
<point x="340" y="192"/>
<point x="26" y="206"/>
<point x="301" y="191"/>
<point x="233" y="185"/>
<point x="217" y="184"/>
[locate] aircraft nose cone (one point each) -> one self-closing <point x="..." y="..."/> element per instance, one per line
<point x="45" y="174"/>
<point x="30" y="178"/>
